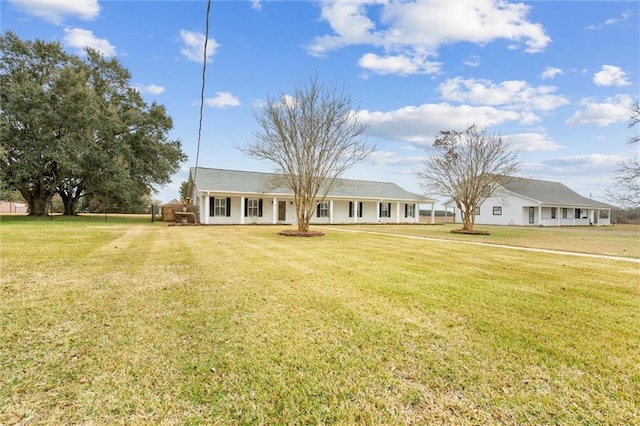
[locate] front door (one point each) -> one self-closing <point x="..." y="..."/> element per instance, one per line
<point x="532" y="218"/>
<point x="282" y="211"/>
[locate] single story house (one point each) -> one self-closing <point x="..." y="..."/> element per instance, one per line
<point x="242" y="197"/>
<point x="532" y="202"/>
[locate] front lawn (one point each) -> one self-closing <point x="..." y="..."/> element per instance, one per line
<point x="137" y="323"/>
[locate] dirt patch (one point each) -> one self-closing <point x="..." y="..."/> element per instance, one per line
<point x="301" y="233"/>
<point x="469" y="232"/>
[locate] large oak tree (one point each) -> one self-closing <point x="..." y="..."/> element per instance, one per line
<point x="73" y="125"/>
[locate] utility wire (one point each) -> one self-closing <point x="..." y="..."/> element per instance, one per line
<point x="204" y="79"/>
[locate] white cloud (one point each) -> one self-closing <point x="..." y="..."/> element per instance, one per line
<point x="551" y="72"/>
<point x="256" y="4"/>
<point x="150" y="89"/>
<point x="585" y="162"/>
<point x="193" y="46"/>
<point x="55" y="11"/>
<point x="416" y="30"/>
<point x="610" y="76"/>
<point x="610" y="111"/>
<point x="472" y="61"/>
<point x="419" y="125"/>
<point x="390" y="158"/>
<point x="611" y="21"/>
<point x="399" y="64"/>
<point x="221" y="100"/>
<point x="78" y="39"/>
<point x="532" y="142"/>
<point x="513" y="93"/>
<point x="625" y="16"/>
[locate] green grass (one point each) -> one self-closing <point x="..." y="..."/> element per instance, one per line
<point x="618" y="240"/>
<point x="129" y="322"/>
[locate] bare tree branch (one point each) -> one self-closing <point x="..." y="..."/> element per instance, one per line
<point x="467" y="166"/>
<point x="312" y="136"/>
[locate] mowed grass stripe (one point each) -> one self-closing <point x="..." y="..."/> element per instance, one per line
<point x="237" y="325"/>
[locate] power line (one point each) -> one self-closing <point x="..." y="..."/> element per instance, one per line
<point x="204" y="80"/>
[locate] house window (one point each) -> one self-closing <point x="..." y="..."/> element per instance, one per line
<point x="351" y="205"/>
<point x="253" y="207"/>
<point x="577" y="214"/>
<point x="219" y="206"/>
<point x="554" y="212"/>
<point x="497" y="210"/>
<point x="385" y="209"/>
<point x="532" y="211"/>
<point x="486" y="191"/>
<point x="409" y="210"/>
<point x="477" y="211"/>
<point x="564" y="213"/>
<point x="323" y="209"/>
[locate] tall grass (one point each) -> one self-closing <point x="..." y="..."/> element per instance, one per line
<point x="141" y="323"/>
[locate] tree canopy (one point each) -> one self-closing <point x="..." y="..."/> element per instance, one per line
<point x="73" y="125"/>
<point x="311" y="136"/>
<point x="466" y="167"/>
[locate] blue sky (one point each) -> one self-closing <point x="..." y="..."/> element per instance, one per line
<point x="556" y="79"/>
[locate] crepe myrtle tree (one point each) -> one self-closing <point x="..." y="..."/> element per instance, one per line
<point x="311" y="136"/>
<point x="466" y="166"/>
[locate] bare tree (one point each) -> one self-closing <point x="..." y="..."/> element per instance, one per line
<point x="466" y="166"/>
<point x="312" y="136"/>
<point x="627" y="176"/>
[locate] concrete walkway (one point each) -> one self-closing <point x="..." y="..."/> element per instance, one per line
<point x="476" y="243"/>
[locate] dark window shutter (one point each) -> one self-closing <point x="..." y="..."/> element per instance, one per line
<point x="246" y="207"/>
<point x="359" y="209"/>
<point x="228" y="207"/>
<point x="260" y="208"/>
<point x="212" y="206"/>
<point x="406" y="210"/>
<point x="318" y="210"/>
<point x="350" y="208"/>
<point x="380" y="210"/>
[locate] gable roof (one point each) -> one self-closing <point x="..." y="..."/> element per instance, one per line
<point x="548" y="192"/>
<point x="243" y="182"/>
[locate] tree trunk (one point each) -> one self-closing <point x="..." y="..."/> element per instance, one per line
<point x="467" y="219"/>
<point x="70" y="206"/>
<point x="39" y="206"/>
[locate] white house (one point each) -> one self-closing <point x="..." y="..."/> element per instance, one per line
<point x="531" y="202"/>
<point x="241" y="197"/>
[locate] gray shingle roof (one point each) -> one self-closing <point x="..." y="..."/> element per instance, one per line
<point x="243" y="182"/>
<point x="547" y="192"/>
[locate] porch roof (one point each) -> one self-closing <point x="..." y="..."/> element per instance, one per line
<point x="550" y="193"/>
<point x="244" y="182"/>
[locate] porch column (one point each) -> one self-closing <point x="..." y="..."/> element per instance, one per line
<point x="204" y="211"/>
<point x="241" y="210"/>
<point x="355" y="211"/>
<point x="398" y="212"/>
<point x="330" y="211"/>
<point x="433" y="212"/>
<point x="378" y="212"/>
<point x="539" y="215"/>
<point x="274" y="209"/>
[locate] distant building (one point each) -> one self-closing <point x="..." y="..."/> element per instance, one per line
<point x="13" y="207"/>
<point x="531" y="202"/>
